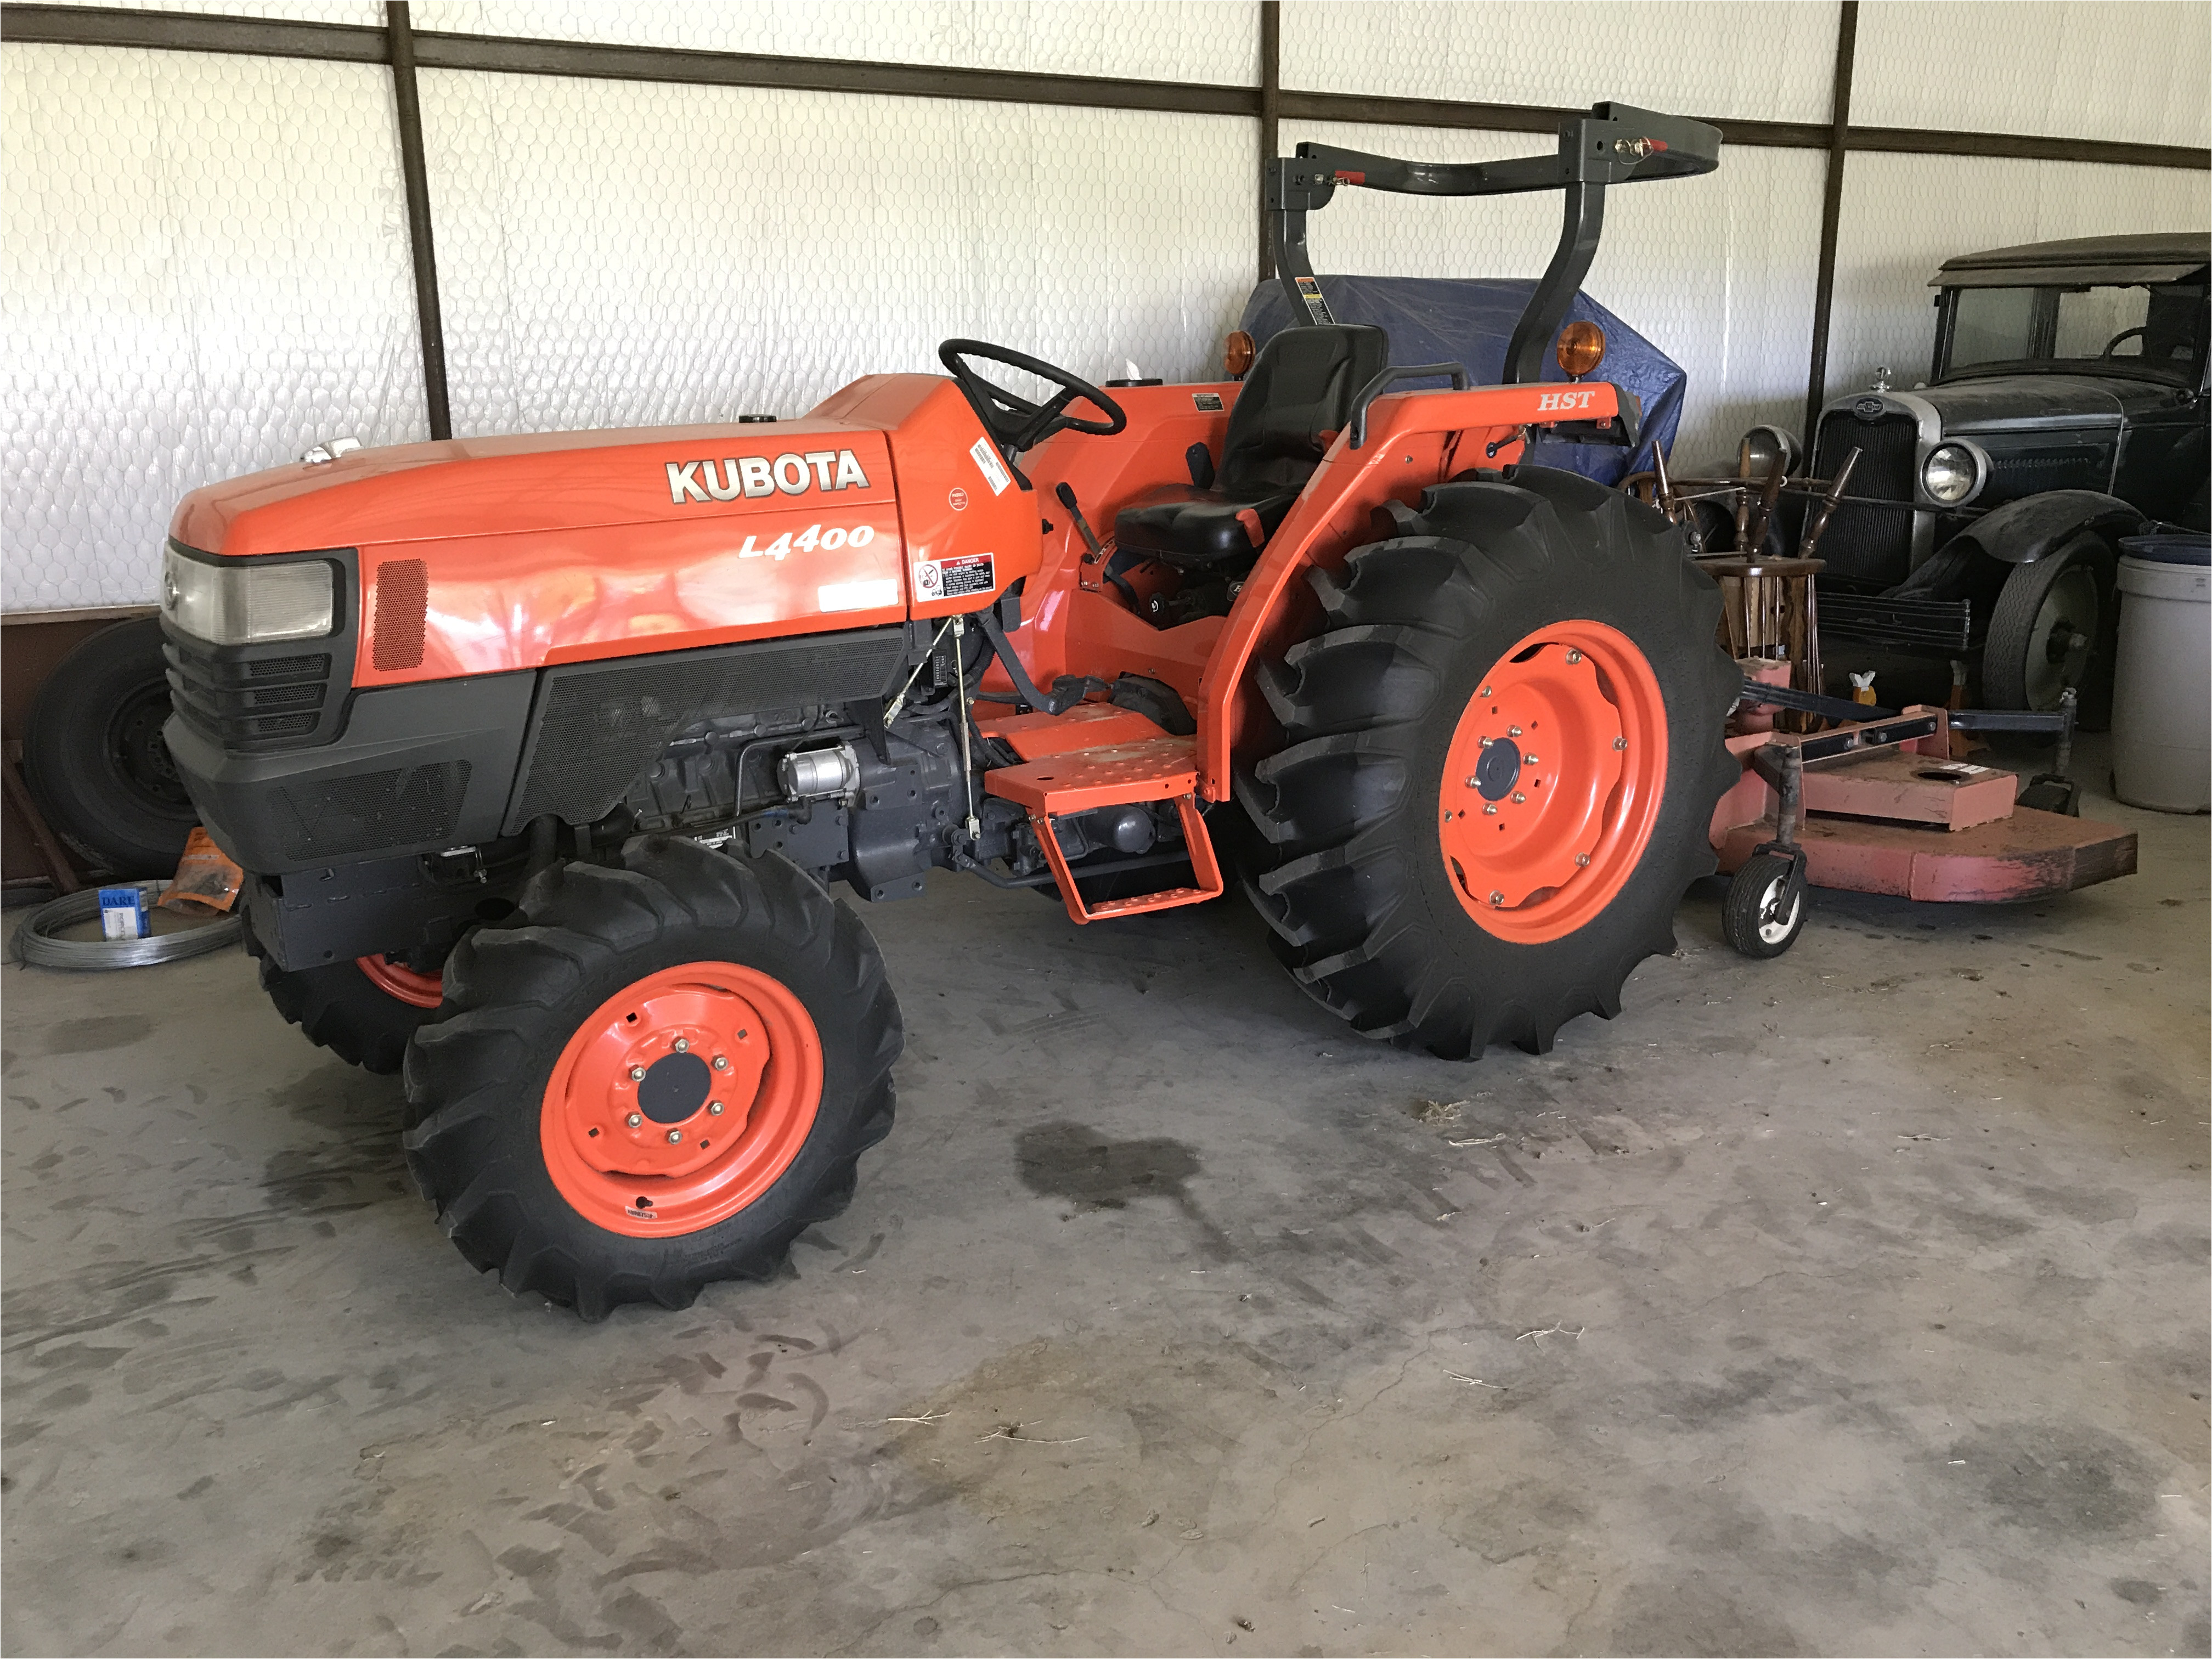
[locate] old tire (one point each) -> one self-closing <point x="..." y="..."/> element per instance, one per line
<point x="1572" y="603"/>
<point x="2052" y="627"/>
<point x="363" y="1011"/>
<point x="1765" y="909"/>
<point x="94" y="758"/>
<point x="519" y="1095"/>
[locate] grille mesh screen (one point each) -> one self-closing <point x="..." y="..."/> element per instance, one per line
<point x="598" y="726"/>
<point x="375" y="811"/>
<point x="1869" y="543"/>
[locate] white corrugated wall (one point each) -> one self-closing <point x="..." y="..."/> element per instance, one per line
<point x="206" y="266"/>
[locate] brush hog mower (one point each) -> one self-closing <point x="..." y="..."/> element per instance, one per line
<point x="543" y="753"/>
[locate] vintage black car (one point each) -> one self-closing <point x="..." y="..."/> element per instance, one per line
<point x="2066" y="406"/>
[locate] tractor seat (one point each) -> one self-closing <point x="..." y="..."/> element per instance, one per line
<point x="1297" y="398"/>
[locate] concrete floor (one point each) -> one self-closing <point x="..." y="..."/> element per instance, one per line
<point x="1854" y="1302"/>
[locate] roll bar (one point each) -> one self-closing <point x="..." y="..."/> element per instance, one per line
<point x="1613" y="144"/>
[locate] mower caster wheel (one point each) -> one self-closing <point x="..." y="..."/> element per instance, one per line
<point x="1764" y="910"/>
<point x="658" y="1076"/>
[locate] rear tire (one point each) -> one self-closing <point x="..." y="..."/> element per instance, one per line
<point x="521" y="1107"/>
<point x="1362" y="823"/>
<point x="94" y="758"/>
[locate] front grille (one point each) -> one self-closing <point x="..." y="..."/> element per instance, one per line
<point x="247" y="703"/>
<point x="1869" y="543"/>
<point x="371" y="812"/>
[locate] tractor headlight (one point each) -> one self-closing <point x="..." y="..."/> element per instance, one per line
<point x="1952" y="475"/>
<point x="243" y="602"/>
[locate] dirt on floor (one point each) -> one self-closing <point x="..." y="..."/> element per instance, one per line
<point x="1851" y="1303"/>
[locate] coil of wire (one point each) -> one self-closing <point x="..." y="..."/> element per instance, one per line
<point x="38" y="941"/>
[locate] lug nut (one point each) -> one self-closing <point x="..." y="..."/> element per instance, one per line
<point x="721" y="1062"/>
<point x="634" y="1120"/>
<point x="1528" y="760"/>
<point x="1486" y="691"/>
<point x="1490" y="811"/>
<point x="1582" y="861"/>
<point x="637" y="1074"/>
<point x="1512" y="730"/>
<point x="675" y="1135"/>
<point x="1498" y="898"/>
<point x="1574" y="656"/>
<point x="682" y="1045"/>
<point x="1620" y="743"/>
<point x="1472" y="781"/>
<point x="714" y="1107"/>
<point x="1518" y="798"/>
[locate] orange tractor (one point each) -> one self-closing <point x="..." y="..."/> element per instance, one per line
<point x="541" y="753"/>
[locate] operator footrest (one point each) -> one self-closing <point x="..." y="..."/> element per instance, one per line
<point x="1148" y="770"/>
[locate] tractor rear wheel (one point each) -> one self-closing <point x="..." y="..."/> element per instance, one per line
<point x="656" y="1077"/>
<point x="1501" y="753"/>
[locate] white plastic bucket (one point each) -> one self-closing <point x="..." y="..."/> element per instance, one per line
<point x="2162" y="686"/>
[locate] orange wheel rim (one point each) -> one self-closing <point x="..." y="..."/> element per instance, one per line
<point x="394" y="980"/>
<point x="1553" y="781"/>
<point x="681" y="1099"/>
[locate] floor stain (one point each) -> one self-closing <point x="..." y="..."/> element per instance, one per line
<point x="95" y="1033"/>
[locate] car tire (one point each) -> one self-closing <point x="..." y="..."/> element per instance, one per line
<point x="94" y="759"/>
<point x="2030" y="654"/>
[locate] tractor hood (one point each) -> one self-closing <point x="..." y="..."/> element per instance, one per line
<point x="546" y="482"/>
<point x="481" y="556"/>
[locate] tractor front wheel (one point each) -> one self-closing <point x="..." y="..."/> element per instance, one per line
<point x="1501" y="754"/>
<point x="657" y="1077"/>
<point x="363" y="1011"/>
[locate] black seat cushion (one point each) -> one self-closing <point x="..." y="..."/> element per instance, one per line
<point x="1198" y="529"/>
<point x="1297" y="398"/>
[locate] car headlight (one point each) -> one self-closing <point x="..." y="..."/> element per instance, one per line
<point x="243" y="602"/>
<point x="1951" y="474"/>
<point x="1768" y="444"/>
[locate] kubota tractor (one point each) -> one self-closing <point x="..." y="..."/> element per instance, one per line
<point x="541" y="753"/>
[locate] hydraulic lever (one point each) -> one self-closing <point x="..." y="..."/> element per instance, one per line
<point x="1095" y="560"/>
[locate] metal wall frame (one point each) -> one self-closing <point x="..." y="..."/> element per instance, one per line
<point x="404" y="50"/>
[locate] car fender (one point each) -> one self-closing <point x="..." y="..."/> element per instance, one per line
<point x="2035" y="527"/>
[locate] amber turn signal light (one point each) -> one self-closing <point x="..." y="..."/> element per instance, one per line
<point x="1581" y="348"/>
<point x="1237" y="354"/>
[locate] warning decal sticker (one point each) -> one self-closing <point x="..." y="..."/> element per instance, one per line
<point x="989" y="463"/>
<point x="954" y="579"/>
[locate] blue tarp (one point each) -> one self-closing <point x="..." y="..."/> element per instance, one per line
<point x="1468" y="320"/>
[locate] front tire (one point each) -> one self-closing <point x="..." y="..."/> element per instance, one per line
<point x="1424" y="883"/>
<point x="2052" y="628"/>
<point x="657" y="1078"/>
<point x="364" y="1011"/>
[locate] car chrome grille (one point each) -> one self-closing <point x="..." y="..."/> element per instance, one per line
<point x="1869" y="543"/>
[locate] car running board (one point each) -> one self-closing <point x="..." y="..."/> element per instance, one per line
<point x="1098" y="755"/>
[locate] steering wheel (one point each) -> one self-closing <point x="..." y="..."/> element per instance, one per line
<point x="2113" y="344"/>
<point x="1014" y="422"/>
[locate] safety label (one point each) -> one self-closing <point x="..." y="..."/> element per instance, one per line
<point x="989" y="463"/>
<point x="1206" y="400"/>
<point x="953" y="579"/>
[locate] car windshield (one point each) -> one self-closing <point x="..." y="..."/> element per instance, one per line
<point x="2103" y="329"/>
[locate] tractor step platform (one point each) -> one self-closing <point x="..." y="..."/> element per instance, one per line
<point x="1097" y="755"/>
